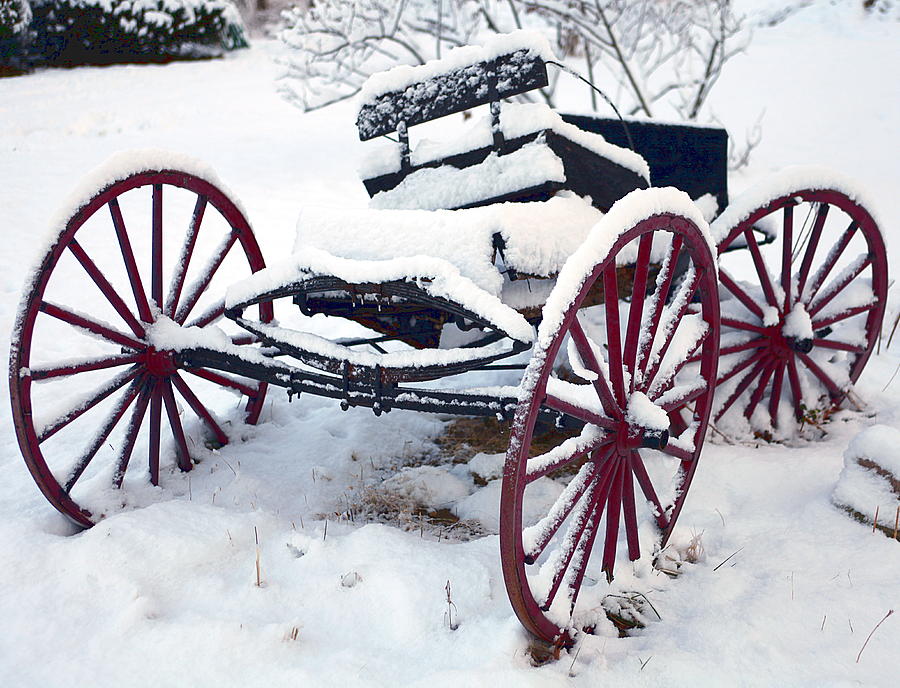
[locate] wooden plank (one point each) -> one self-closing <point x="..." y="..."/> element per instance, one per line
<point x="455" y="91"/>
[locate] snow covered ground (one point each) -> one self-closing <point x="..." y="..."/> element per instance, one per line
<point x="166" y="595"/>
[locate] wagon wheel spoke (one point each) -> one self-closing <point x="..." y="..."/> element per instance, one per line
<point x="84" y="323"/>
<point x="84" y="366"/>
<point x="682" y="400"/>
<point x="131" y="433"/>
<point x="202" y="282"/>
<point x="197" y="406"/>
<point x="578" y="487"/>
<point x="658" y="301"/>
<point x="579" y="567"/>
<point x="775" y="395"/>
<point x="844" y="315"/>
<point x="761" y="270"/>
<point x="838" y="345"/>
<point x="613" y="334"/>
<point x="757" y="343"/>
<point x="155" y="431"/>
<point x="679" y="453"/>
<point x="833" y="256"/>
<point x="586" y="351"/>
<point x="787" y="242"/>
<point x="156" y="251"/>
<point x="628" y="509"/>
<point x="613" y="510"/>
<point x="757" y="394"/>
<point x="665" y="380"/>
<point x="826" y="297"/>
<point x="85" y="405"/>
<point x="184" y="257"/>
<point x="741" y="388"/>
<point x="731" y="285"/>
<point x="181" y="448"/>
<point x="636" y="310"/>
<point x="741" y="325"/>
<point x="646" y="485"/>
<point x="683" y="300"/>
<point x="105" y="430"/>
<point x="794" y="382"/>
<point x="834" y="390"/>
<point x="224" y="381"/>
<point x="106" y="288"/>
<point x="582" y="414"/>
<point x="134" y="276"/>
<point x="812" y="244"/>
<point x="211" y="315"/>
<point x="546" y="464"/>
<point x="585" y="518"/>
<point x="743" y="365"/>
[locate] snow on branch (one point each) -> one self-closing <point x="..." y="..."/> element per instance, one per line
<point x="654" y="57"/>
<point x="659" y="54"/>
<point x="337" y="44"/>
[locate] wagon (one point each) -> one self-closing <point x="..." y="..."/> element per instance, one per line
<point x="526" y="270"/>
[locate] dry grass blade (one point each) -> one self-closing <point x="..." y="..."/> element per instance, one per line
<point x="724" y="561"/>
<point x="871" y="633"/>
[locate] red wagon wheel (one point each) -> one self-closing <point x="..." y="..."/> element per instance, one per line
<point x="644" y="401"/>
<point x="81" y="387"/>
<point x="796" y="339"/>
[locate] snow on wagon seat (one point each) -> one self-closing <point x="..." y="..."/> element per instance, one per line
<point x="538" y="236"/>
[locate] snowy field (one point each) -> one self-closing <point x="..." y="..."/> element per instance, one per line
<point x="165" y="595"/>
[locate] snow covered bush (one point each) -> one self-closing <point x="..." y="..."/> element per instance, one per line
<point x="15" y="16"/>
<point x="103" y="31"/>
<point x="655" y="58"/>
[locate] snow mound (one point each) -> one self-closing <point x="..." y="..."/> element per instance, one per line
<point x="870" y="480"/>
<point x="487" y="466"/>
<point x="429" y="486"/>
<point x="484" y="504"/>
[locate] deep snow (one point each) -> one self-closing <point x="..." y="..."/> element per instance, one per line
<point x="165" y="595"/>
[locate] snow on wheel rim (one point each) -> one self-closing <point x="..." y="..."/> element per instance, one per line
<point x="798" y="333"/>
<point x="643" y="408"/>
<point x="103" y="382"/>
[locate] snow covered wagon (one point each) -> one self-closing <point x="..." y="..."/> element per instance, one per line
<point x="531" y="270"/>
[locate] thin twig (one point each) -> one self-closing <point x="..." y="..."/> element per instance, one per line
<point x="575" y="659"/>
<point x="256" y="537"/>
<point x="893" y="329"/>
<point x="726" y="559"/>
<point x="890" y="611"/>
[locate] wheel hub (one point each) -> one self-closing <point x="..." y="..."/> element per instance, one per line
<point x="632" y="437"/>
<point x="160" y="363"/>
<point x="792" y="334"/>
